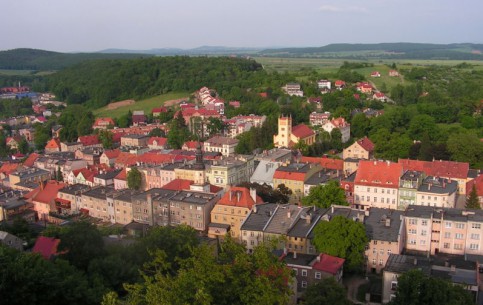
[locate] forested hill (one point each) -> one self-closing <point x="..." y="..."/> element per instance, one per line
<point x="32" y="59"/>
<point x="99" y="82"/>
<point x="402" y="50"/>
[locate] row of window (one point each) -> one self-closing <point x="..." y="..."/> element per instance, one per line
<point x="317" y="275"/>
<point x="447" y="224"/>
<point x="381" y="251"/>
<point x="383" y="191"/>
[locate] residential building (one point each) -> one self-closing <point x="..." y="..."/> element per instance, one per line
<point x="11" y="241"/>
<point x="361" y="149"/>
<point x="13" y="206"/>
<point x="90" y="141"/>
<point x="293" y="89"/>
<point x="123" y="206"/>
<point x="230" y="171"/>
<point x="298" y="238"/>
<point x="231" y="210"/>
<point x="376" y="184"/>
<point x="106" y="177"/>
<point x="95" y="203"/>
<point x="252" y="228"/>
<point x="409" y="183"/>
<point x="33" y="174"/>
<point x="52" y="146"/>
<point x="437" y="192"/>
<point x="319" y="118"/>
<point x="138" y="118"/>
<point x="264" y="172"/>
<point x="288" y="136"/>
<point x="478" y="183"/>
<point x="224" y="145"/>
<point x="324" y="83"/>
<point x="72" y="197"/>
<point x="294" y="176"/>
<point x="339" y="84"/>
<point x="386" y="233"/>
<point x="91" y="155"/>
<point x="43" y="198"/>
<point x="46" y="246"/>
<point x="103" y="123"/>
<point x="157" y="142"/>
<point x="341" y="124"/>
<point x="108" y="157"/>
<point x="135" y="140"/>
<point x="120" y="181"/>
<point x="393" y="73"/>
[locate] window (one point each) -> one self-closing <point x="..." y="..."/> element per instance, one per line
<point x="475" y="236"/>
<point x="368" y="189"/>
<point x="424" y="222"/>
<point x="447" y="235"/>
<point x="304" y="272"/>
<point x="446" y="245"/>
<point x="458" y="246"/>
<point x="458" y="236"/>
<point x="460" y="225"/>
<point x="474" y="246"/>
<point x="412" y="231"/>
<point x="388" y="252"/>
<point x="393" y="285"/>
<point x="304" y="284"/>
<point x="423" y="232"/>
<point x="381" y="252"/>
<point x="373" y="261"/>
<point x="381" y="262"/>
<point x="413" y="221"/>
<point x="296" y="271"/>
<point x="412" y="241"/>
<point x="318" y="275"/>
<point x="375" y="199"/>
<point x="476" y="226"/>
<point x="447" y="224"/>
<point x="422" y="242"/>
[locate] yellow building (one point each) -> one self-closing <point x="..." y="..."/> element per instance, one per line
<point x="288" y="136"/>
<point x="294" y="176"/>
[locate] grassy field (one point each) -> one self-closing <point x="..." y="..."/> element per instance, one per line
<point x="147" y="105"/>
<point x="24" y="72"/>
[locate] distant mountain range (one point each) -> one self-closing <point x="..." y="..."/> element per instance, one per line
<point x="31" y="59"/>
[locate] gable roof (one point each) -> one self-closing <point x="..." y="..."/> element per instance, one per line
<point x="112" y="153"/>
<point x="88" y="140"/>
<point x="302" y="131"/>
<point x="191" y="144"/>
<point x="126" y="159"/>
<point x="450" y="169"/>
<point x="325" y="162"/>
<point x="178" y="185"/>
<point x="479" y="186"/>
<point x="328" y="263"/>
<point x="160" y="141"/>
<point x="160" y="109"/>
<point x="8" y="168"/>
<point x="366" y="143"/>
<point x="239" y="197"/>
<point x="46" y="192"/>
<point x="54" y="143"/>
<point x="46" y="246"/>
<point x="379" y="173"/>
<point x="104" y="122"/>
<point x="122" y="175"/>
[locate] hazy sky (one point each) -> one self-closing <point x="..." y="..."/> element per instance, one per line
<point x="93" y="25"/>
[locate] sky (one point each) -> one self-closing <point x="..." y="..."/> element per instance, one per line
<point x="94" y="25"/>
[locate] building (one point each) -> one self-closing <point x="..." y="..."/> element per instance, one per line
<point x="108" y="157"/>
<point x="376" y="184"/>
<point x="230" y="171"/>
<point x="299" y="237"/>
<point x="375" y="74"/>
<point x="393" y="73"/>
<point x="103" y="123"/>
<point x="224" y="145"/>
<point x="123" y="206"/>
<point x="231" y="210"/>
<point x="437" y="192"/>
<point x="46" y="246"/>
<point x="52" y="146"/>
<point x="436" y="230"/>
<point x="341" y="124"/>
<point x="361" y="149"/>
<point x="43" y="198"/>
<point x="11" y="241"/>
<point x="90" y="141"/>
<point x="288" y="136"/>
<point x="254" y="224"/>
<point x="321" y="177"/>
<point x="409" y="183"/>
<point x="319" y="118"/>
<point x="157" y="143"/>
<point x="72" y="197"/>
<point x="135" y="140"/>
<point x="478" y="184"/>
<point x="264" y="172"/>
<point x="386" y="233"/>
<point x="95" y="203"/>
<point x="293" y="89"/>
<point x="294" y="176"/>
<point x="339" y="84"/>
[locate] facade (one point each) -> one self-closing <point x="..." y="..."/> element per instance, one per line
<point x="437" y="192"/>
<point x="11" y="241"/>
<point x="293" y="89"/>
<point x="33" y="174"/>
<point x="361" y="149"/>
<point x="409" y="183"/>
<point x="294" y="176"/>
<point x="318" y="118"/>
<point x="288" y="136"/>
<point x="95" y="203"/>
<point x="341" y="124"/>
<point x="157" y="143"/>
<point x="224" y="145"/>
<point x="122" y="206"/>
<point x="71" y="197"/>
<point x="135" y="140"/>
<point x="324" y="83"/>
<point x="230" y="171"/>
<point x="264" y="172"/>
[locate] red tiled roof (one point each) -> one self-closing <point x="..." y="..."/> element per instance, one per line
<point x="379" y="95"/>
<point x="339" y="83"/>
<point x="138" y="118"/>
<point x="449" y="169"/>
<point x="159" y="140"/>
<point x="160" y="109"/>
<point x="379" y="173"/>
<point x="88" y="140"/>
<point x="240" y="197"/>
<point x="325" y="162"/>
<point x="178" y="185"/>
<point x="154" y="158"/>
<point x="191" y="144"/>
<point x="126" y="159"/>
<point x="122" y="175"/>
<point x="46" y="246"/>
<point x="47" y="193"/>
<point x="104" y="122"/>
<point x="53" y="144"/>
<point x="302" y="131"/>
<point x="339" y="122"/>
<point x="283" y="175"/>
<point x="366" y="143"/>
<point x="479" y="186"/>
<point x="8" y="168"/>
<point x="328" y="263"/>
<point x="113" y="153"/>
<point x="263" y="94"/>
<point x="215" y="189"/>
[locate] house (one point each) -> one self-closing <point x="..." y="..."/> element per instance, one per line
<point x="288" y="136"/>
<point x="294" y="176"/>
<point x="224" y="145"/>
<point x="135" y="140"/>
<point x="108" y="157"/>
<point x="190" y="145"/>
<point x="29" y="162"/>
<point x="386" y="233"/>
<point x="437" y="192"/>
<point x="310" y="269"/>
<point x="13" y="142"/>
<point x="264" y="172"/>
<point x="319" y="119"/>
<point x="98" y="203"/>
<point x="11" y="241"/>
<point x="120" y="181"/>
<point x="375" y="74"/>
<point x="103" y="123"/>
<point x="393" y="73"/>
<point x="7" y="168"/>
<point x="91" y="155"/>
<point x="365" y="87"/>
<point x="90" y="141"/>
<point x="341" y="124"/>
<point x="46" y="246"/>
<point x="293" y="89"/>
<point x="157" y="142"/>
<point x="53" y="146"/>
<point x="138" y="118"/>
<point x="321" y="177"/>
<point x="376" y="184"/>
<point x="409" y="183"/>
<point x="361" y="149"/>
<point x="252" y="227"/>
<point x="339" y="84"/>
<point x="231" y="170"/>
<point x="478" y="183"/>
<point x="324" y="83"/>
<point x="379" y="96"/>
<point x="157" y="111"/>
<point x="236" y="104"/>
<point x="231" y="210"/>
<point x="43" y="198"/>
<point x="33" y="174"/>
<point x="71" y="146"/>
<point x="124" y="160"/>
<point x="12" y="206"/>
<point x="324" y="162"/>
<point x="106" y="177"/>
<point x="71" y="199"/>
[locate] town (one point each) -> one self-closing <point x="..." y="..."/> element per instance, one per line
<point x="413" y="213"/>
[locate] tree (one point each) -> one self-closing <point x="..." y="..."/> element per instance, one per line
<point x="327" y="291"/>
<point x="466" y="147"/>
<point x="360" y="125"/>
<point x="472" y="202"/>
<point x="343" y="238"/>
<point x="23" y="146"/>
<point x="134" y="179"/>
<point x="285" y="191"/>
<point x="420" y="125"/>
<point x="215" y="126"/>
<point x="58" y="174"/>
<point x="416" y="288"/>
<point x="106" y="138"/>
<point x="156" y="132"/>
<point x="178" y="132"/>
<point x="323" y="196"/>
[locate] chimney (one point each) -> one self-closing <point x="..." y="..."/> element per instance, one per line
<point x="308" y="219"/>
<point x="289" y="213"/>
<point x="253" y="194"/>
<point x="238" y="196"/>
<point x="255" y="208"/>
<point x="429" y="186"/>
<point x="318" y="258"/>
<point x="230" y="193"/>
<point x="415" y="261"/>
<point x="388" y="222"/>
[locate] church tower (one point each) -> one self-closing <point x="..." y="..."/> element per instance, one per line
<point x="282" y="139"/>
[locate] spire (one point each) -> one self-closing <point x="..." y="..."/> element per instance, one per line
<point x="199" y="157"/>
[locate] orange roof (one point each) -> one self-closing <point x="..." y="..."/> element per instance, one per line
<point x="289" y="175"/>
<point x="191" y="144"/>
<point x="325" y="162"/>
<point x="122" y="175"/>
<point x="47" y="193"/>
<point x="302" y="131"/>
<point x="88" y="140"/>
<point x="54" y="143"/>
<point x="8" y="168"/>
<point x="366" y="144"/>
<point x="239" y="197"/>
<point x="339" y="122"/>
<point x="379" y="173"/>
<point x="46" y="246"/>
<point x="328" y="263"/>
<point x="178" y="185"/>
<point x="153" y="158"/>
<point x="29" y="162"/>
<point x="113" y="153"/>
<point x="450" y="169"/>
<point x="104" y="122"/>
<point x="126" y="159"/>
<point x="160" y="141"/>
<point x="479" y="186"/>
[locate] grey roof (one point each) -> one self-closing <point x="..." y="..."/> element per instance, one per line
<point x="383" y="224"/>
<point x="125" y="195"/>
<point x="473" y="173"/>
<point x="401" y="263"/>
<point x="264" y="172"/>
<point x="108" y="175"/>
<point x="299" y="259"/>
<point x="295" y="168"/>
<point x="258" y="219"/>
<point x="27" y="184"/>
<point x="323" y="176"/>
<point x="284" y="218"/>
<point x="155" y="193"/>
<point x="445" y="213"/>
<point x="30" y="172"/>
<point x="75" y="189"/>
<point x="13" y="203"/>
<point x="219" y="225"/>
<point x="275" y="154"/>
<point x="410" y="175"/>
<point x="351" y="177"/>
<point x="343" y="211"/>
<point x="307" y="221"/>
<point x="438" y="185"/>
<point x="219" y="141"/>
<point x="99" y="192"/>
<point x="194" y="197"/>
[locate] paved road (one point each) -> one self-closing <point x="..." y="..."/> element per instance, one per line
<point x="352" y="284"/>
